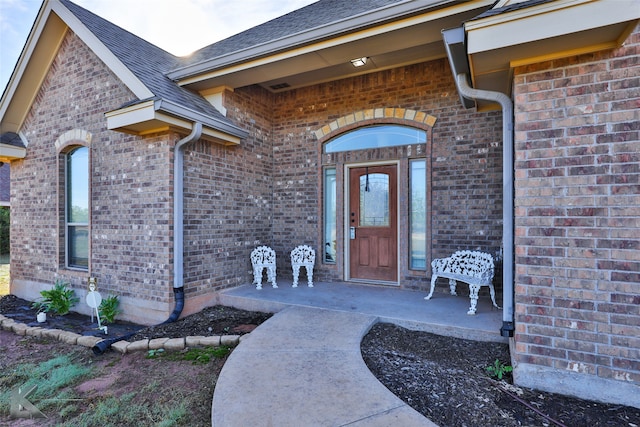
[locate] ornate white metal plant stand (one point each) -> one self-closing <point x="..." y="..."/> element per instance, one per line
<point x="472" y="267"/>
<point x="303" y="255"/>
<point x="263" y="257"/>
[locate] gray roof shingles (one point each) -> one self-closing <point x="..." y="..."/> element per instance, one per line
<point x="312" y="16"/>
<point x="148" y="62"/>
<point x="511" y="8"/>
<point x="151" y="64"/>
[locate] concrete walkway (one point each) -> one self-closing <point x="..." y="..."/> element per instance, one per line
<point x="303" y="367"/>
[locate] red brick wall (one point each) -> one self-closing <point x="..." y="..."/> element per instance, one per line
<point x="578" y="213"/>
<point x="465" y="157"/>
<point x="267" y="190"/>
<point x="130" y="197"/>
<point x="229" y="198"/>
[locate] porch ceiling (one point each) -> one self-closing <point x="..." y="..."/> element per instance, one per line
<point x="498" y="43"/>
<point x="412" y="40"/>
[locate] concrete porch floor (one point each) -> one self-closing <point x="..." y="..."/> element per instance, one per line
<point x="444" y="314"/>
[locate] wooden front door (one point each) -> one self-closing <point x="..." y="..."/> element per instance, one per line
<point x="373" y="223"/>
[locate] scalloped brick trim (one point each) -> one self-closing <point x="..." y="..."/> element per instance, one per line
<point x="373" y="114"/>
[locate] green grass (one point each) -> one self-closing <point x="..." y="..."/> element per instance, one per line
<point x="57" y="378"/>
<point x="118" y="411"/>
<point x="50" y="377"/>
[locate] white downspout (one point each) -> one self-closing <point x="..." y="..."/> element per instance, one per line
<point x="178" y="221"/>
<point x="507" y="195"/>
<point x="178" y="205"/>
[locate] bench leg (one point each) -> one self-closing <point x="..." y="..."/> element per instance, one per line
<point x="473" y="295"/>
<point x="271" y="274"/>
<point x="493" y="296"/>
<point x="296" y="273"/>
<point x="257" y="277"/>
<point x="309" y="275"/>
<point x="433" y="286"/>
<point x="452" y="286"/>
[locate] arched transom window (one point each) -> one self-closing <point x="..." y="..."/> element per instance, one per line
<point x="378" y="136"/>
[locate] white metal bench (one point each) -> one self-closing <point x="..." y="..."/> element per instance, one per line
<point x="472" y="267"/>
<point x="263" y="257"/>
<point x="303" y="255"/>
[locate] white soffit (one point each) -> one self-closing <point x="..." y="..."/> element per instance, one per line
<point x="547" y="21"/>
<point x="10" y="152"/>
<point x="497" y="44"/>
<point x="144" y="118"/>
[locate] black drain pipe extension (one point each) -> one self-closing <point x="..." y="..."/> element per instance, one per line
<point x="178" y="238"/>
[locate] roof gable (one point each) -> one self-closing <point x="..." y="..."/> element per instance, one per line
<point x="140" y="65"/>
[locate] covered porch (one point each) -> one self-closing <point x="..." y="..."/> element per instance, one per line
<point x="444" y="314"/>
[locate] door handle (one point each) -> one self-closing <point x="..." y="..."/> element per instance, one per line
<point x="352" y="233"/>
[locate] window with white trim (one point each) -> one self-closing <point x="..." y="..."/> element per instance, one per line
<point x="77" y="208"/>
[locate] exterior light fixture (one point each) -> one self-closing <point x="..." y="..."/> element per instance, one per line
<point x="359" y="62"/>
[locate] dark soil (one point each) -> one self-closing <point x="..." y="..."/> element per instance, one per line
<point x="443" y="378"/>
<point x="216" y="320"/>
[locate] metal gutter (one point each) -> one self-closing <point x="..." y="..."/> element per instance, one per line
<point x="454" y="40"/>
<point x="186" y="113"/>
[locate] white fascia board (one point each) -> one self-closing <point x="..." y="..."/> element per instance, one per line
<point x="20" y="67"/>
<point x="99" y="49"/>
<point x="127" y="116"/>
<point x="546" y="21"/>
<point x="11" y="152"/>
<point x="180" y="111"/>
<point x="174" y="116"/>
<point x="329" y="35"/>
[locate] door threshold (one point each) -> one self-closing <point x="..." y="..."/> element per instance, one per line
<point x="374" y="282"/>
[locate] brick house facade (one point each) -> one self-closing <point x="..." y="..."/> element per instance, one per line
<point x="577" y="238"/>
<point x="576" y="185"/>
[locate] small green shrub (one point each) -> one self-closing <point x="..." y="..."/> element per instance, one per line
<point x="109" y="309"/>
<point x="499" y="369"/>
<point x="58" y="300"/>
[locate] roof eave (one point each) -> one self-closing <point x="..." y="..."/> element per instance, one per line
<point x="158" y="115"/>
<point x="50" y="27"/>
<point x="314" y="35"/>
<point x="11" y="152"/>
<point x="548" y="31"/>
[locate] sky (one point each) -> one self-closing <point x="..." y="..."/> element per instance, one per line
<point x="177" y="29"/>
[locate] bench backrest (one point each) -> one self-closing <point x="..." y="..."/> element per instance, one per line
<point x="263" y="255"/>
<point x="303" y="254"/>
<point x="469" y="263"/>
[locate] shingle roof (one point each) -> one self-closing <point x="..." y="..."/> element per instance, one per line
<point x="306" y="18"/>
<point x="511" y="8"/>
<point x="148" y="62"/>
<point x="11" y="138"/>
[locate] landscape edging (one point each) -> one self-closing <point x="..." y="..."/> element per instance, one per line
<point x="168" y="344"/>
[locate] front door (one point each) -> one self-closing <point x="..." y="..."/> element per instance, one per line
<point x="373" y="228"/>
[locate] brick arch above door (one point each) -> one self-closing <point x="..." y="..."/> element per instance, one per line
<point x="375" y="116"/>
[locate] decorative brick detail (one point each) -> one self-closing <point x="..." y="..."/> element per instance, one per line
<point x="73" y="137"/>
<point x="379" y="113"/>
